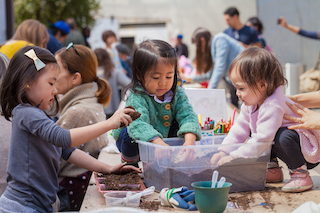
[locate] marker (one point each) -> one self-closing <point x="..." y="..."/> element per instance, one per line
<point x="199" y="117"/>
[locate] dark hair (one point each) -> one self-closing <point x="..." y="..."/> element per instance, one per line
<point x="231" y="11"/>
<point x="203" y="58"/>
<point x="255" y="64"/>
<point x="84" y="61"/>
<point x="21" y="72"/>
<point x="256" y="23"/>
<point x="146" y="57"/>
<point x="104" y="60"/>
<point x="55" y="30"/>
<point x="106" y="34"/>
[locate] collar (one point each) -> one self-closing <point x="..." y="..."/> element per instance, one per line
<point x="167" y="97"/>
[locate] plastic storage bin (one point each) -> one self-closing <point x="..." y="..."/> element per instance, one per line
<point x="175" y="165"/>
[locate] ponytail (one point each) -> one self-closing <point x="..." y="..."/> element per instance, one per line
<point x="103" y="92"/>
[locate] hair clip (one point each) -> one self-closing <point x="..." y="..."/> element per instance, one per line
<point x="37" y="62"/>
<point x="71" y="45"/>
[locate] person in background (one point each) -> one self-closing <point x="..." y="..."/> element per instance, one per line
<point x="258" y="26"/>
<point x="115" y="77"/>
<point x="86" y="34"/>
<point x="181" y="48"/>
<point x="247" y="36"/>
<point x="5" y="127"/>
<point x="109" y="37"/>
<point x="164" y="106"/>
<point x="27" y="97"/>
<point x="29" y="32"/>
<point x="258" y="77"/>
<point x="57" y="34"/>
<point x="79" y="106"/>
<point x="214" y="56"/>
<point x="125" y="58"/>
<point x="306" y="33"/>
<point x="74" y="35"/>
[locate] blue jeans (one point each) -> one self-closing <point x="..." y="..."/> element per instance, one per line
<point x="129" y="148"/>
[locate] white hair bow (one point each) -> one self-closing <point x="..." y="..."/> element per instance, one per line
<point x="37" y="62"/>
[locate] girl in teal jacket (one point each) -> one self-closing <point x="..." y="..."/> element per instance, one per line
<point x="164" y="106"/>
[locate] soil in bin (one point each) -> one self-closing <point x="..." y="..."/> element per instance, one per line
<point x="246" y="174"/>
<point x="114" y="182"/>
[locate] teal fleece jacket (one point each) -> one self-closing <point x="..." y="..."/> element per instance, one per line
<point x="156" y="118"/>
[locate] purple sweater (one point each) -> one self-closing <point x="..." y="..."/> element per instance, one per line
<point x="264" y="124"/>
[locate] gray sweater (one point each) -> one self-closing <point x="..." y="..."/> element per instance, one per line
<point x="34" y="158"/>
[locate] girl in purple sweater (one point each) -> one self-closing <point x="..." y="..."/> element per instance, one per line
<point x="257" y="76"/>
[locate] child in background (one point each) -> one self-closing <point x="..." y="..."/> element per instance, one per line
<point x="115" y="77"/>
<point x="28" y="90"/>
<point x="84" y="95"/>
<point x="109" y="37"/>
<point x="164" y="106"/>
<point x="258" y="78"/>
<point x="258" y="26"/>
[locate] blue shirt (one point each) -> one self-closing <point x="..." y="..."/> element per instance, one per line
<point x="309" y="34"/>
<point x="223" y="50"/>
<point x="53" y="44"/>
<point x="247" y="35"/>
<point x="34" y="158"/>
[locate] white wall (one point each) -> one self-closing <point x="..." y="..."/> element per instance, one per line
<point x="290" y="47"/>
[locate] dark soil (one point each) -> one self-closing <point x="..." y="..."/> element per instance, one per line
<point x="149" y="205"/>
<point x="125" y="182"/>
<point x="245" y="174"/>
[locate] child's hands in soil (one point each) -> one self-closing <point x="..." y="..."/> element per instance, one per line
<point x="216" y="157"/>
<point x="123" y="169"/>
<point x="121" y="117"/>
<point x="224" y="160"/>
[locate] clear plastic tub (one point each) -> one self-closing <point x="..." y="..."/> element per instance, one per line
<point x="175" y="165"/>
<point x="120" y="198"/>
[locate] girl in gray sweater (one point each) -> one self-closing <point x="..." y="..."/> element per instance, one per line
<point x="37" y="143"/>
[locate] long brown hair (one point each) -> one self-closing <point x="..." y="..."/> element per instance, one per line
<point x="105" y="61"/>
<point x="203" y="58"/>
<point x="83" y="60"/>
<point x="32" y="31"/>
<point x="21" y="72"/>
<point x="255" y="64"/>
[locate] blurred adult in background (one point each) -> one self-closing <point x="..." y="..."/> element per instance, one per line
<point x="74" y="35"/>
<point x="237" y="30"/>
<point x="214" y="56"/>
<point x="86" y="34"/>
<point x="57" y="34"/>
<point x="5" y="127"/>
<point x="258" y="26"/>
<point x="30" y="32"/>
<point x="310" y="34"/>
<point x="115" y="77"/>
<point x="125" y="58"/>
<point x="181" y="48"/>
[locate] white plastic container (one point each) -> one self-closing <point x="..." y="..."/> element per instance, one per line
<point x="120" y="198"/>
<point x="175" y="165"/>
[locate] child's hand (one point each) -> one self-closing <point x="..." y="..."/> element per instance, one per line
<point x="216" y="157"/>
<point x="224" y="160"/>
<point x="121" y="116"/>
<point x="123" y="169"/>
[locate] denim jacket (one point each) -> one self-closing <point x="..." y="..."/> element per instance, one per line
<point x="223" y="50"/>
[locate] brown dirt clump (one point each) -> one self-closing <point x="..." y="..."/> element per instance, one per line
<point x="149" y="205"/>
<point x="134" y="115"/>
